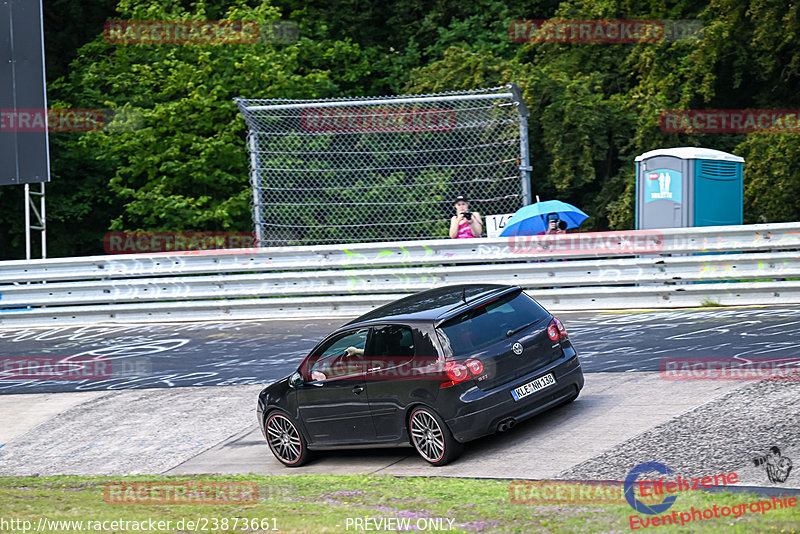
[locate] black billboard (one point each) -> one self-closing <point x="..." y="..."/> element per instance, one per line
<point x="24" y="154"/>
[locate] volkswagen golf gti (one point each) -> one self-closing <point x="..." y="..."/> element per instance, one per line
<point x="433" y="370"/>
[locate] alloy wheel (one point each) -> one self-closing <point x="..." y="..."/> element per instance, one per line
<point x="427" y="436"/>
<point x="284" y="439"/>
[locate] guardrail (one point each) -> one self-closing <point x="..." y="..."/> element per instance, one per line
<point x="751" y="264"/>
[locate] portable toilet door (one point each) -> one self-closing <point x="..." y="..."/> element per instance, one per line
<point x="718" y="192"/>
<point x="688" y="186"/>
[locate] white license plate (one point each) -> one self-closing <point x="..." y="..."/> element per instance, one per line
<point x="532" y="387"/>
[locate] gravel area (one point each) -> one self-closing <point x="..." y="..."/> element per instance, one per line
<point x="721" y="436"/>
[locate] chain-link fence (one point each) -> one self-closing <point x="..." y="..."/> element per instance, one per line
<point x="383" y="169"/>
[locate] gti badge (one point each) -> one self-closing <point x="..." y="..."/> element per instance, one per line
<point x="517" y="348"/>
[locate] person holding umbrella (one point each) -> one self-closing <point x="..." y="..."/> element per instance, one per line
<point x="541" y="217"/>
<point x="555" y="225"/>
<point x="465" y="223"/>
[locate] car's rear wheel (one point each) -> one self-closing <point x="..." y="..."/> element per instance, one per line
<point x="432" y="438"/>
<point x="285" y="440"/>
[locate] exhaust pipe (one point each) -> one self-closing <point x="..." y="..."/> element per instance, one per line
<point x="506" y="424"/>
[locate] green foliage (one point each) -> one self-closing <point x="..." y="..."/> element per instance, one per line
<point x="594" y="107"/>
<point x="772" y="168"/>
<point x="185" y="167"/>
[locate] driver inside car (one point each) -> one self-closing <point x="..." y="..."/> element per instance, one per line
<point x="337" y="364"/>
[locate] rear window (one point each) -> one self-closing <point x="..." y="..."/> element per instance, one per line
<point x="485" y="325"/>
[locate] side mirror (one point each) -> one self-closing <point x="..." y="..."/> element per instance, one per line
<point x="296" y="379"/>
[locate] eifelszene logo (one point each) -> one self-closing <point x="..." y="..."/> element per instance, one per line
<point x="638" y="505"/>
<point x="653" y="488"/>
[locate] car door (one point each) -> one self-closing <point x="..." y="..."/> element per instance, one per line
<point x="401" y="368"/>
<point x="332" y="402"/>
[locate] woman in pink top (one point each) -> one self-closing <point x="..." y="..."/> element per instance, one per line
<point x="465" y="223"/>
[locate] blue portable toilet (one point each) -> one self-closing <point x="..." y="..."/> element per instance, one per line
<point x="688" y="186"/>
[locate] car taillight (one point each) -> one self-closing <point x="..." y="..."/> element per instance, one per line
<point x="475" y="367"/>
<point x="552" y="331"/>
<point x="556" y="330"/>
<point x="458" y="372"/>
<point x="562" y="330"/>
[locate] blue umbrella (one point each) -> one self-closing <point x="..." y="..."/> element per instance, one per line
<point x="532" y="220"/>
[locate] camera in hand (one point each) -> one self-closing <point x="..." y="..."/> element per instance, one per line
<point x="468" y="215"/>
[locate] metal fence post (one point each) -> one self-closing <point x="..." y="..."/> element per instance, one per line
<point x="524" y="150"/>
<point x="27" y="221"/>
<point x="255" y="182"/>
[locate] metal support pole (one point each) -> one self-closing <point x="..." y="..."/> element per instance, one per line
<point x="524" y="155"/>
<point x="525" y="162"/>
<point x="27" y="221"/>
<point x="43" y="223"/>
<point x="39" y="214"/>
<point x="255" y="182"/>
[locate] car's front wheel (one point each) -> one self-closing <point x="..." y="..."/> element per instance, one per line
<point x="285" y="440"/>
<point x="432" y="438"/>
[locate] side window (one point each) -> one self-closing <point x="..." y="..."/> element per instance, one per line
<point x="425" y="349"/>
<point x="394" y="343"/>
<point x="340" y="357"/>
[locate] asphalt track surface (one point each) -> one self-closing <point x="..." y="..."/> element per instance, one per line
<point x="194" y="409"/>
<point x="260" y="352"/>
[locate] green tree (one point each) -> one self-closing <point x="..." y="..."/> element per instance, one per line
<point x="183" y="165"/>
<point x="594" y="107"/>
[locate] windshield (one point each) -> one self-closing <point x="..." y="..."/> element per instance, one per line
<point x="485" y="325"/>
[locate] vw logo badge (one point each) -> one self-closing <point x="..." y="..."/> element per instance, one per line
<point x="517" y="348"/>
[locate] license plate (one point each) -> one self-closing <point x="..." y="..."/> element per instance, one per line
<point x="532" y="387"/>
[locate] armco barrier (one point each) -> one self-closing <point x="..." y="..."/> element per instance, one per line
<point x="753" y="264"/>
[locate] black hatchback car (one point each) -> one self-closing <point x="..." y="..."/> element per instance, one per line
<point x="433" y="370"/>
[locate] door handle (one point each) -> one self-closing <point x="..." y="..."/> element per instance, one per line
<point x="358" y="389"/>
